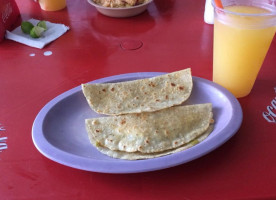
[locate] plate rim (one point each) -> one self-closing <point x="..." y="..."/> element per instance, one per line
<point x="125" y="166"/>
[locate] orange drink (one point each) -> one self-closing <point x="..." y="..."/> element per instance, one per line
<point x="242" y="36"/>
<point x="52" y="5"/>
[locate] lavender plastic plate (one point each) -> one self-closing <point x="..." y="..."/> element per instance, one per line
<point x="59" y="130"/>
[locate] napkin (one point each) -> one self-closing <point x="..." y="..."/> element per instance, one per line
<point x="53" y="32"/>
<point x="209" y="12"/>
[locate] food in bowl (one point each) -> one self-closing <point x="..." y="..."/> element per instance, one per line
<point x="119" y="3"/>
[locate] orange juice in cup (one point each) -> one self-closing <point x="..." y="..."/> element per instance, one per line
<point x="52" y="5"/>
<point x="243" y="31"/>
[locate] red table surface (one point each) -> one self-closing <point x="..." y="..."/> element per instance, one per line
<point x="174" y="37"/>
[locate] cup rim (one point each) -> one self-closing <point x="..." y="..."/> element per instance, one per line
<point x="271" y="13"/>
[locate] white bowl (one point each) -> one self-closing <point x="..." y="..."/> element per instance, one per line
<point x="121" y="12"/>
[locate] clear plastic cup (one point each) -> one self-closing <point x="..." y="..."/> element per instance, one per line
<point x="52" y="5"/>
<point x="243" y="31"/>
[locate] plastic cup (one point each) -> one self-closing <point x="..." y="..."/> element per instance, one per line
<point x="243" y="31"/>
<point x="52" y="5"/>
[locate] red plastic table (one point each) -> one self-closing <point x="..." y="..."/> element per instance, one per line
<point x="173" y="37"/>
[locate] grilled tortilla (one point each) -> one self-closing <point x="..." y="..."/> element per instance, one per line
<point x="138" y="155"/>
<point x="143" y="95"/>
<point x="152" y="132"/>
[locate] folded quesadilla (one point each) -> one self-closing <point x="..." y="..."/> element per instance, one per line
<point x="138" y="155"/>
<point x="150" y="134"/>
<point x="144" y="95"/>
